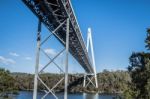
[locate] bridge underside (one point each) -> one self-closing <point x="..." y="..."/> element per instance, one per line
<point x="55" y="12"/>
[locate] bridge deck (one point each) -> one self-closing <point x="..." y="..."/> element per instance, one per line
<point x="52" y="13"/>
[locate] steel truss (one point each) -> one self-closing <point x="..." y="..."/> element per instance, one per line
<point x="52" y="13"/>
<point x="38" y="72"/>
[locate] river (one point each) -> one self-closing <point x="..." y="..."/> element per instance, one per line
<point x="28" y="95"/>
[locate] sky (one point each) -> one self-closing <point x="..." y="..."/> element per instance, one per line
<point x="118" y="29"/>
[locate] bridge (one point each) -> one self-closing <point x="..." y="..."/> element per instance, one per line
<point x="59" y="18"/>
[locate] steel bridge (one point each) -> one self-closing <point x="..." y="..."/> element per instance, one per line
<point x="59" y="18"/>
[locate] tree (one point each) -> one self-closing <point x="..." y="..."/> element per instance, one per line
<point x="6" y="81"/>
<point x="139" y="70"/>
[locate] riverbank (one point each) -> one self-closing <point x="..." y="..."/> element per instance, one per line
<point x="108" y="82"/>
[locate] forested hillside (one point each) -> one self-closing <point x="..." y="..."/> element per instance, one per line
<point x="109" y="82"/>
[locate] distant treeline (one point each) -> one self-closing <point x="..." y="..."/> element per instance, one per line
<point x="109" y="82"/>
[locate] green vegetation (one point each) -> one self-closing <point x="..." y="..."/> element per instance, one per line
<point x="108" y="81"/>
<point x="140" y="73"/>
<point x="113" y="82"/>
<point x="6" y="83"/>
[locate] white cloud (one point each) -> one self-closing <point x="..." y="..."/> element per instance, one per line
<point x="50" y="51"/>
<point x="28" y="58"/>
<point x="14" y="54"/>
<point x="6" y="61"/>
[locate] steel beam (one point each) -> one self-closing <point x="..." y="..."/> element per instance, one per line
<point x="84" y="82"/>
<point x="37" y="61"/>
<point x="66" y="63"/>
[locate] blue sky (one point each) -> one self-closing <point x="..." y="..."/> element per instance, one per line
<point x="118" y="29"/>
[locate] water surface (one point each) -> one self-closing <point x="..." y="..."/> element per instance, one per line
<point x="28" y="95"/>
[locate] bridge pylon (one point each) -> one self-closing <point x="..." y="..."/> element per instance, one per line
<point x="90" y="76"/>
<point x="38" y="71"/>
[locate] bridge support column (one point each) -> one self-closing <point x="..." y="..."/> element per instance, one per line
<point x="37" y="61"/>
<point x="66" y="64"/>
<point x="84" y="82"/>
<point x="37" y="78"/>
<point x="90" y="42"/>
